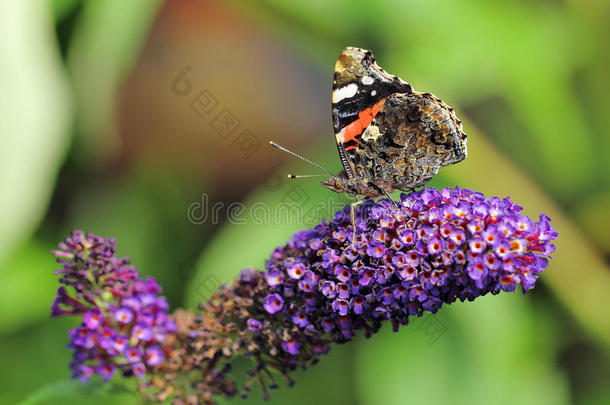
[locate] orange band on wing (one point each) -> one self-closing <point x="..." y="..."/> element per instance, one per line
<point x="355" y="128"/>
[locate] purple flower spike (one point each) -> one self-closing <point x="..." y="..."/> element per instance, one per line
<point x="121" y="312"/>
<point x="324" y="286"/>
<point x="435" y="248"/>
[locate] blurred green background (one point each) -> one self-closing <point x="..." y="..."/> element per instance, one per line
<point x="103" y="128"/>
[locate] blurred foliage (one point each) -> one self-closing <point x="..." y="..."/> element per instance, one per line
<point x="35" y="119"/>
<point x="27" y="293"/>
<point x="71" y="388"/>
<point x="573" y="251"/>
<point x="525" y="53"/>
<point x="255" y="232"/>
<point x="105" y="45"/>
<point x="144" y="210"/>
<point x="529" y="77"/>
<point x="480" y="335"/>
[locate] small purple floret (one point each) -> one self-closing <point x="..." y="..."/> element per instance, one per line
<point x="273" y="303"/>
<point x="291" y="346"/>
<point x="154" y="355"/>
<point x="254" y="325"/>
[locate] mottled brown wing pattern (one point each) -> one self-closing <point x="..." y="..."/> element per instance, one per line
<point x="409" y="140"/>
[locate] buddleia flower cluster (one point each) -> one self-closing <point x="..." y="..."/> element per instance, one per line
<point x="331" y="282"/>
<point x="124" y="321"/>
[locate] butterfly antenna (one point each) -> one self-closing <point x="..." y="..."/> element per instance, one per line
<point x="296" y="155"/>
<point x="303" y="176"/>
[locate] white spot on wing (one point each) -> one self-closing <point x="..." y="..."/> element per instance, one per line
<point x="371" y="133"/>
<point x="345" y="92"/>
<point x="367" y="80"/>
<point x="373" y="92"/>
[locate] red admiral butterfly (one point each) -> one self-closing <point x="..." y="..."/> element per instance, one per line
<point x="388" y="135"/>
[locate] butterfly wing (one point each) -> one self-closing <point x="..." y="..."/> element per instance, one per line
<point x="408" y="140"/>
<point x="360" y="87"/>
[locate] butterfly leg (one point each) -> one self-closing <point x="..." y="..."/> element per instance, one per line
<point x="353" y="216"/>
<point x="385" y="192"/>
<point x="390" y="197"/>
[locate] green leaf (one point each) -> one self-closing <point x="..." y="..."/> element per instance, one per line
<point x="70" y="388"/>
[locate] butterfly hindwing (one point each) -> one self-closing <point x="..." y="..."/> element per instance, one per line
<point x="410" y="138"/>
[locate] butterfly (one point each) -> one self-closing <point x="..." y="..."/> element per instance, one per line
<point x="388" y="135"/>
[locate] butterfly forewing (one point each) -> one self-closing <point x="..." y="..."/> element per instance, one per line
<point x="359" y="88"/>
